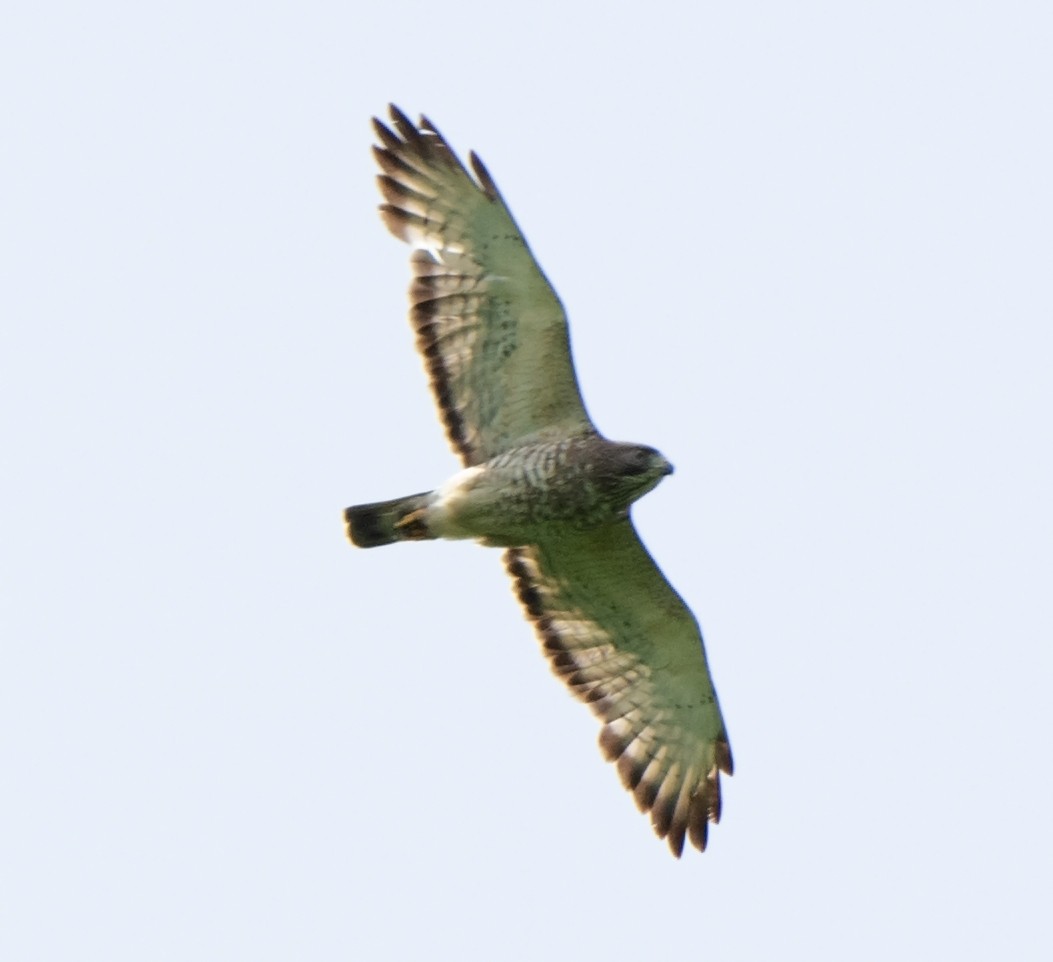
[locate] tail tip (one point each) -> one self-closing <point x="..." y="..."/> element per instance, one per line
<point x="364" y="527"/>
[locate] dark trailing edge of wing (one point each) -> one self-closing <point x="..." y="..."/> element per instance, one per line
<point x="425" y="328"/>
<point x="411" y="152"/>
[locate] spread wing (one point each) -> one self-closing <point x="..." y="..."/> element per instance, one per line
<point x="624" y="642"/>
<point x="490" y="327"/>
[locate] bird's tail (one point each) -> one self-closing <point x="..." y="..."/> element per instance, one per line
<point x="404" y="519"/>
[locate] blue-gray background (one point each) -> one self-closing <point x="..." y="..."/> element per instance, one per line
<point x="806" y="252"/>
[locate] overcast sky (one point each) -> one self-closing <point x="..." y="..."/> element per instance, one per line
<point x="806" y="252"/>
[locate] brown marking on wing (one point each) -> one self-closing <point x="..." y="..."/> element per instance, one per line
<point x="488" y="324"/>
<point x="624" y="642"/>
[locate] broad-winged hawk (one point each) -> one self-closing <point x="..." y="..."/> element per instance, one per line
<point x="541" y="482"/>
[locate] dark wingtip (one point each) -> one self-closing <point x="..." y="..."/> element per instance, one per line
<point x="488" y="184"/>
<point x="405" y="127"/>
<point x="385" y="134"/>
<point x="398" y="117"/>
<point x="698" y="828"/>
<point x="724" y="760"/>
<point x="675" y="839"/>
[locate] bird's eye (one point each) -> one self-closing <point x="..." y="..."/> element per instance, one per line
<point x="640" y="463"/>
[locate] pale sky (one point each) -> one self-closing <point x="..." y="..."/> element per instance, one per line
<point x="805" y="250"/>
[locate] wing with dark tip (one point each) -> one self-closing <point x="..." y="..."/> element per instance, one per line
<point x="490" y="327"/>
<point x="626" y="644"/>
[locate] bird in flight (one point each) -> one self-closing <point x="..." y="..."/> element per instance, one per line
<point x="542" y="483"/>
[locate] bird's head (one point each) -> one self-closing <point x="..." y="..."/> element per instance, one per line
<point x="636" y="469"/>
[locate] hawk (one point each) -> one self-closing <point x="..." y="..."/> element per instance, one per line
<point x="541" y="482"/>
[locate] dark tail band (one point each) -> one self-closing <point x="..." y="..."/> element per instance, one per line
<point x="385" y="522"/>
